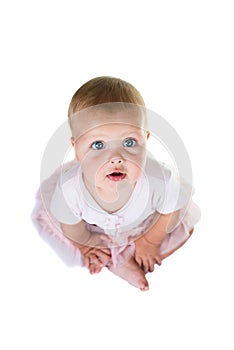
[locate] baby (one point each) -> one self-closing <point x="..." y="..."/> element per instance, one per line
<point x="115" y="204"/>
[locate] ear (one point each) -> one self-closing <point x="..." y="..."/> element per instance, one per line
<point x="147" y="134"/>
<point x="73" y="145"/>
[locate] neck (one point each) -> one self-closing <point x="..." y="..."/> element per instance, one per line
<point x="113" y="200"/>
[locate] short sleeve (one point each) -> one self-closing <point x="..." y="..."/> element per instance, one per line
<point x="60" y="208"/>
<point x="176" y="194"/>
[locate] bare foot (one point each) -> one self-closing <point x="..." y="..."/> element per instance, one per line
<point x="132" y="273"/>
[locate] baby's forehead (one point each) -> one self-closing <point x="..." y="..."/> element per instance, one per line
<point x="125" y="116"/>
<point x="89" y="121"/>
<point x="115" y="128"/>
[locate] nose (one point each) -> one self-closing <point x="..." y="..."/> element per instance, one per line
<point x="116" y="160"/>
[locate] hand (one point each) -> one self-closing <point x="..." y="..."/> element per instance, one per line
<point x="147" y="254"/>
<point x="95" y="258"/>
<point x="96" y="252"/>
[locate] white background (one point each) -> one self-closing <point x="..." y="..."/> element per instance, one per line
<point x="180" y="55"/>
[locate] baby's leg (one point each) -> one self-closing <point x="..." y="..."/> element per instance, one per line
<point x="132" y="273"/>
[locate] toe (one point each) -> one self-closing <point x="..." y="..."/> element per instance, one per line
<point x="144" y="285"/>
<point x="145" y="288"/>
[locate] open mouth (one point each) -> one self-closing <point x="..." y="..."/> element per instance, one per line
<point x="116" y="176"/>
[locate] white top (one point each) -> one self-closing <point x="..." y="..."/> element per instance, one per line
<point x="157" y="190"/>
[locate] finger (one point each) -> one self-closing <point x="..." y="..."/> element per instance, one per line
<point x="158" y="260"/>
<point x="94" y="268"/>
<point x="102" y="255"/>
<point x="145" y="266"/>
<point x="94" y="260"/>
<point x="139" y="261"/>
<point x="107" y="251"/>
<point x="91" y="268"/>
<point x="151" y="265"/>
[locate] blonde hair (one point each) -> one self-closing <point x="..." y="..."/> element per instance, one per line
<point x="104" y="90"/>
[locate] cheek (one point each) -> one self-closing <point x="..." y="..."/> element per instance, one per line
<point x="136" y="171"/>
<point x="136" y="165"/>
<point x="78" y="152"/>
<point x="91" y="165"/>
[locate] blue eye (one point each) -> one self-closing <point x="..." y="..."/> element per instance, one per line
<point x="129" y="143"/>
<point x="97" y="145"/>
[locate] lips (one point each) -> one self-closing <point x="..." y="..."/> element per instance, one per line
<point x="116" y="176"/>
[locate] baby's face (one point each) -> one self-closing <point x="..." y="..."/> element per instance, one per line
<point x="111" y="149"/>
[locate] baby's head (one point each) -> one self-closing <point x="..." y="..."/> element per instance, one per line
<point x="109" y="131"/>
<point x="104" y="90"/>
<point x="104" y="94"/>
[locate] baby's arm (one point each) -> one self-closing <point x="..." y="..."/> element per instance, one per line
<point x="148" y="246"/>
<point x="92" y="246"/>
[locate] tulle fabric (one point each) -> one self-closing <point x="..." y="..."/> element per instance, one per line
<point x="50" y="231"/>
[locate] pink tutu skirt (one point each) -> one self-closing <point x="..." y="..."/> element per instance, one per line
<point x="50" y="230"/>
